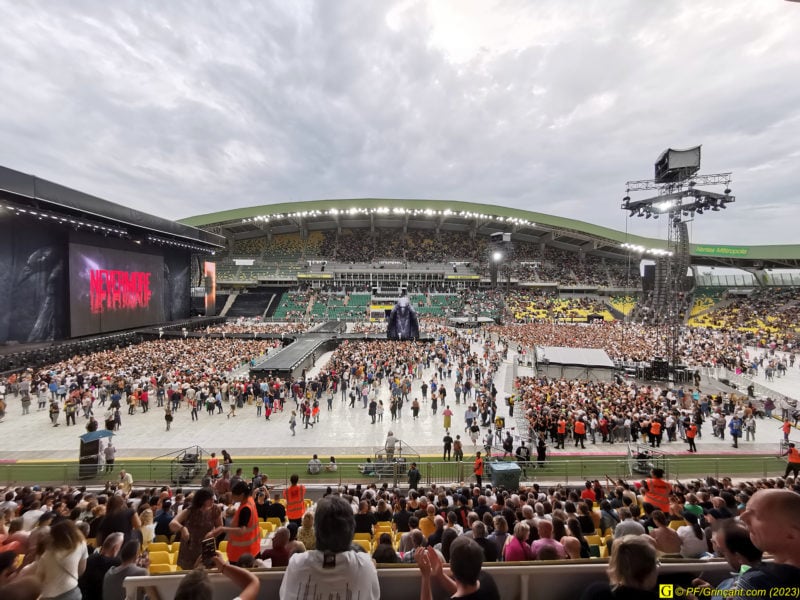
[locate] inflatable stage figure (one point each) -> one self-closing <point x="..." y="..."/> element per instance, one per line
<point x="403" y="322"/>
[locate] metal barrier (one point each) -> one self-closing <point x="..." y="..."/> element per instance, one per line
<point x="566" y="471"/>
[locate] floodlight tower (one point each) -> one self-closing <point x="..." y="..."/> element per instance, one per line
<point x="679" y="200"/>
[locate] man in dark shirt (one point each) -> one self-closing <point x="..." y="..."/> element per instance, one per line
<point x="401" y="517"/>
<point x="276" y="509"/>
<point x="163" y="518"/>
<point x="98" y="564"/>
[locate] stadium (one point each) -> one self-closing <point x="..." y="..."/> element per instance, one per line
<point x="263" y="331"/>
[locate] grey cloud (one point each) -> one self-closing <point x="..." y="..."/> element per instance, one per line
<point x="181" y="108"/>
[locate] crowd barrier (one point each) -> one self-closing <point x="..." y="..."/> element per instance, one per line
<point x="557" y="580"/>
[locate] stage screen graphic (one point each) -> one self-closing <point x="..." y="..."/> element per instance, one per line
<point x="112" y="289"/>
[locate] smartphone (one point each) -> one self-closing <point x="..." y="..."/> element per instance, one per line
<point x="209" y="551"/>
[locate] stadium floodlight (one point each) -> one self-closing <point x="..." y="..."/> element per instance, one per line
<point x="497" y="256"/>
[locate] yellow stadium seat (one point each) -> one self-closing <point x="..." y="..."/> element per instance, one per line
<point x="595" y="540"/>
<point x="676" y="524"/>
<point x="365" y="544"/>
<point x="603" y="551"/>
<point x="363" y="536"/>
<point x="161" y="558"/>
<point x="384" y="525"/>
<point x="161" y="538"/>
<point x="175" y="547"/>
<point x="276" y="522"/>
<point x="307" y="502"/>
<point x="223" y="546"/>
<point x="159" y="547"/>
<point x="161" y="568"/>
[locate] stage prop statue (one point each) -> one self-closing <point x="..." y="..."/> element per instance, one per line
<point x="403" y="322"/>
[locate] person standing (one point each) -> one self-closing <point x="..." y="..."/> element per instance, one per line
<point x="414" y="477"/>
<point x="110" y="452"/>
<point x="691" y="434"/>
<point x="793" y="458"/>
<point x="194" y="525"/>
<point x="168" y="417"/>
<point x="786" y="428"/>
<point x="541" y="452"/>
<point x="113" y="588"/>
<point x="448" y="417"/>
<point x="458" y="449"/>
<point x="243" y="533"/>
<point x="580" y="433"/>
<point x="561" y="431"/>
<point x="477" y="469"/>
<point x="735" y="427"/>
<point x="293" y="422"/>
<point x="125" y="482"/>
<point x="295" y="496"/>
<point x="448" y="445"/>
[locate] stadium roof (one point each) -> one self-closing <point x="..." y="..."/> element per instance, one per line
<point x="452" y="215"/>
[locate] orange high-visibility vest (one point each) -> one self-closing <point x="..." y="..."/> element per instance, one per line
<point x="580" y="427"/>
<point x="655" y="428"/>
<point x="213" y="464"/>
<point x="794" y="455"/>
<point x="562" y="426"/>
<point x="658" y="494"/>
<point x="247" y="542"/>
<point x="294" y="501"/>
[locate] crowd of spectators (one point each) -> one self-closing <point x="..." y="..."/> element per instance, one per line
<point x="770" y="311"/>
<point x="72" y="543"/>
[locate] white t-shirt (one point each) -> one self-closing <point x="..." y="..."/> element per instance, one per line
<point x="354" y="575"/>
<point x="691" y="547"/>
<point x="58" y="570"/>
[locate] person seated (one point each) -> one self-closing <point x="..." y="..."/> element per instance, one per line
<point x="632" y="571"/>
<point x="280" y="552"/>
<point x="367" y="468"/>
<point x="196" y="584"/>
<point x="314" y="465"/>
<point x="333" y="566"/>
<point x="276" y="510"/>
<point x="468" y="579"/>
<point x="332" y="467"/>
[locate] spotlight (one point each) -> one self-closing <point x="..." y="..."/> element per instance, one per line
<point x="497" y="256"/>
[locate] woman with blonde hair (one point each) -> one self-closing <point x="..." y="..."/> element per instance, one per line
<point x="305" y="533"/>
<point x="63" y="562"/>
<point x="148" y="528"/>
<point x="632" y="571"/>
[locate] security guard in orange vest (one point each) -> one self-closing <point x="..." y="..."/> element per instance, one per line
<point x="213" y="465"/>
<point x="793" y="466"/>
<point x="579" y="428"/>
<point x="295" y="494"/>
<point x="477" y="469"/>
<point x="561" y="430"/>
<point x="243" y="534"/>
<point x="655" y="433"/>
<point x="657" y="491"/>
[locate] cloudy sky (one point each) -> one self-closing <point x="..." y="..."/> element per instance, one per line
<point x="181" y="108"/>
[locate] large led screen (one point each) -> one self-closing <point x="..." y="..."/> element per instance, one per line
<point x="110" y="290"/>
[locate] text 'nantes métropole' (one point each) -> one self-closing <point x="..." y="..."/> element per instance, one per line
<point x="118" y="290"/>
